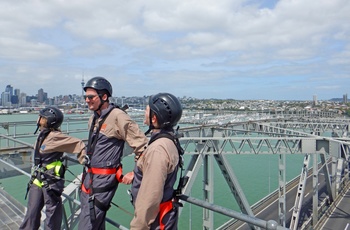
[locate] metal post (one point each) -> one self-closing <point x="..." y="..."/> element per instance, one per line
<point x="208" y="188"/>
<point x="282" y="190"/>
<point x="327" y="176"/>
<point x="300" y="194"/>
<point x="315" y="191"/>
<point x="234" y="185"/>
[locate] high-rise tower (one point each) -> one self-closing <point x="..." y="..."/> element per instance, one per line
<point x="82" y="85"/>
<point x="82" y="89"/>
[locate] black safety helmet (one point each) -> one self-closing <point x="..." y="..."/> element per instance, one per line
<point x="167" y="108"/>
<point x="99" y="84"/>
<point x="53" y="115"/>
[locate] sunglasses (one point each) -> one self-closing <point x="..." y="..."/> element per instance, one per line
<point x="90" y="97"/>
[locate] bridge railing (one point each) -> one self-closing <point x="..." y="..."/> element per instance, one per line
<point x="70" y="199"/>
<point x="201" y="138"/>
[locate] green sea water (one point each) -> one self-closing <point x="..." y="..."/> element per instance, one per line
<point x="257" y="175"/>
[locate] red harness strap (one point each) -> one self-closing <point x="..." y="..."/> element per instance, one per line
<point x="164" y="208"/>
<point x="105" y="171"/>
<point x="87" y="191"/>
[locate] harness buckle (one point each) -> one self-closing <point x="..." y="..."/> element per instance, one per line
<point x="91" y="198"/>
<point x="35" y="168"/>
<point x="177" y="204"/>
<point x="34" y="174"/>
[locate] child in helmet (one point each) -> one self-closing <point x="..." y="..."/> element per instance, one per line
<point x="47" y="182"/>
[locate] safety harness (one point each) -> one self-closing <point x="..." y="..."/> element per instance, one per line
<point x="167" y="206"/>
<point x="101" y="169"/>
<point x="44" y="173"/>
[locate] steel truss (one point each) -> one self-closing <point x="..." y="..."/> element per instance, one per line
<point x="261" y="138"/>
<point x="280" y="137"/>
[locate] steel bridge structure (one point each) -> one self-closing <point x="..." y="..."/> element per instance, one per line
<point x="323" y="141"/>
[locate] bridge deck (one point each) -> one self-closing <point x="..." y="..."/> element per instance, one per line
<point x="339" y="216"/>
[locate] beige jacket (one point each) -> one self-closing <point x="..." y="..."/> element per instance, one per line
<point x="157" y="163"/>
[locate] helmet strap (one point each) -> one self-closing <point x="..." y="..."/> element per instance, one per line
<point x="37" y="125"/>
<point x="151" y="126"/>
<point x="37" y="128"/>
<point x="102" y="102"/>
<point x="148" y="131"/>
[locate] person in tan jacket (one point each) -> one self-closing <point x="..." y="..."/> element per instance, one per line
<point x="156" y="169"/>
<point x="47" y="181"/>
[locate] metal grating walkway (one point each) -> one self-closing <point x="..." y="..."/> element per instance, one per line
<point x="11" y="211"/>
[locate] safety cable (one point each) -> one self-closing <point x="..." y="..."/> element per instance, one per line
<point x="123" y="209"/>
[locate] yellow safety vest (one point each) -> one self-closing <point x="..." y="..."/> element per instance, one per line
<point x="56" y="165"/>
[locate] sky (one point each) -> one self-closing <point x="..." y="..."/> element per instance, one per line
<point x="225" y="49"/>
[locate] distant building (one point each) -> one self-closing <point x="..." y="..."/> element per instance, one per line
<point x="42" y="96"/>
<point x="14" y="100"/>
<point x="33" y="102"/>
<point x="9" y="89"/>
<point x="345" y="98"/>
<point x="22" y="99"/>
<point x="5" y="99"/>
<point x="17" y="92"/>
<point x="314" y="100"/>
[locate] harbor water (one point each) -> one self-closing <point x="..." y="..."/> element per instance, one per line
<point x="257" y="175"/>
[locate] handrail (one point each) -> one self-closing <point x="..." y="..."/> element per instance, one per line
<point x="269" y="225"/>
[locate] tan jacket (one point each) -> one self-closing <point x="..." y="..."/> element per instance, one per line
<point x="57" y="141"/>
<point x="157" y="164"/>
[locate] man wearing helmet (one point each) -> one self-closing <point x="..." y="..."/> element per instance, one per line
<point x="156" y="169"/>
<point x="47" y="181"/>
<point x="109" y="128"/>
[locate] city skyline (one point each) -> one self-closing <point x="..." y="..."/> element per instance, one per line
<point x="42" y="95"/>
<point x="240" y="49"/>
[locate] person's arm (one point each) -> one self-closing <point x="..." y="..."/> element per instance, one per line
<point x="128" y="130"/>
<point x="63" y="143"/>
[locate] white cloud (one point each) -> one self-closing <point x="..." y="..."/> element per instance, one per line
<point x="16" y="49"/>
<point x="204" y="43"/>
